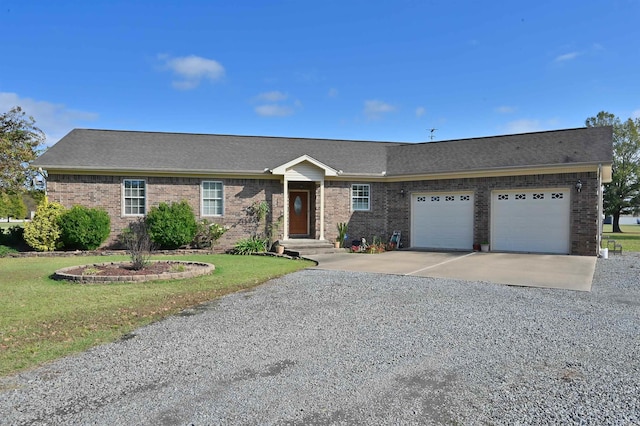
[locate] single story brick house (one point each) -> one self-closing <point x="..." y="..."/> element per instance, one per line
<point x="534" y="192"/>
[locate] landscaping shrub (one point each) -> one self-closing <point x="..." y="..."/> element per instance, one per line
<point x="207" y="234"/>
<point x="43" y="232"/>
<point x="171" y="226"/>
<point x="82" y="228"/>
<point x="12" y="237"/>
<point x="250" y="245"/>
<point x="137" y="241"/>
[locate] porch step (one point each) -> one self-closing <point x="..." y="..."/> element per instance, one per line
<point x="303" y="247"/>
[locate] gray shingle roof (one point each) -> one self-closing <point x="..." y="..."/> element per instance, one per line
<point x="147" y="151"/>
<point x="129" y="151"/>
<point x="553" y="148"/>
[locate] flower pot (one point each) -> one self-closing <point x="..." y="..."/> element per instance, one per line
<point x="484" y="247"/>
<point x="336" y="244"/>
<point x="280" y="250"/>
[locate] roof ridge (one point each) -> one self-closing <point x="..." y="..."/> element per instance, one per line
<point x="245" y="136"/>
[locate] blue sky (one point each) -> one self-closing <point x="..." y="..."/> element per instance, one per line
<point x="372" y="70"/>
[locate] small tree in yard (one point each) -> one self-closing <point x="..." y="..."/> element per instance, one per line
<point x="172" y="226"/>
<point x="43" y="232"/>
<point x="137" y="241"/>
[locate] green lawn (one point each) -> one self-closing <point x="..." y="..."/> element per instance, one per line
<point x="43" y="319"/>
<point x="7" y="225"/>
<point x="629" y="238"/>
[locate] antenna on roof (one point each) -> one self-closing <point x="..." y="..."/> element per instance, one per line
<point x="432" y="134"/>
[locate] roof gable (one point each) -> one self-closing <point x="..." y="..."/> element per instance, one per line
<point x="281" y="170"/>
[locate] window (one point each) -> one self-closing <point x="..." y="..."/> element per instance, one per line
<point x="212" y="198"/>
<point x="360" y="197"/>
<point x="134" y="195"/>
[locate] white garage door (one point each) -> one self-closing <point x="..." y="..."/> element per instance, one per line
<point x="442" y="221"/>
<point x="530" y="221"/>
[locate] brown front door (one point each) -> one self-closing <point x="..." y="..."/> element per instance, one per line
<point x="298" y="213"/>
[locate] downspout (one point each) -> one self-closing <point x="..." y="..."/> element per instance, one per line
<point x="600" y="209"/>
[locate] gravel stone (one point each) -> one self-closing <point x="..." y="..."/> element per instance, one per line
<point x="325" y="347"/>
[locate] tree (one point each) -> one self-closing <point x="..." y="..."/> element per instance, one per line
<point x="20" y="144"/>
<point x="622" y="195"/>
<point x="11" y="205"/>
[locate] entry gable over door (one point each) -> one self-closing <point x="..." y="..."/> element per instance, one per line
<point x="305" y="169"/>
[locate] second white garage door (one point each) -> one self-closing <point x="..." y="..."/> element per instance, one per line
<point x="530" y="221"/>
<point x="442" y="221"/>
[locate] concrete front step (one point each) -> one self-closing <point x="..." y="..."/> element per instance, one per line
<point x="305" y="247"/>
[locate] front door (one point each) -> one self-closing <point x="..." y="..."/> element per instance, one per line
<point x="298" y="213"/>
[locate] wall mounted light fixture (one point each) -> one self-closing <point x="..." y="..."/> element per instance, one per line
<point x="579" y="185"/>
<point x="402" y="192"/>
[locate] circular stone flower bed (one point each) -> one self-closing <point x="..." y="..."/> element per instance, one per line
<point x="123" y="272"/>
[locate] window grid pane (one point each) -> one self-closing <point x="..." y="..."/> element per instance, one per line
<point x="212" y="198"/>
<point x="360" y="197"/>
<point x="134" y="197"/>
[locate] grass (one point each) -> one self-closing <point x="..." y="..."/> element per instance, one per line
<point x="43" y="319"/>
<point x="7" y="225"/>
<point x="629" y="238"/>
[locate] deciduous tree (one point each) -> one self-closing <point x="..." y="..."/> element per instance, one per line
<point x="622" y="195"/>
<point x="20" y="144"/>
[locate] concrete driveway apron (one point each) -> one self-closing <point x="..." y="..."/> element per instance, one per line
<point x="532" y="270"/>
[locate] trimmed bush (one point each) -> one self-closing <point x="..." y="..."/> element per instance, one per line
<point x="43" y="232"/>
<point x="82" y="228"/>
<point x="171" y="226"/>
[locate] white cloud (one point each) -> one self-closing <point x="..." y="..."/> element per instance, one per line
<point x="420" y="111"/>
<point x="273" y="96"/>
<point x="567" y="57"/>
<point x="333" y="93"/>
<point x="522" y="126"/>
<point x="192" y="70"/>
<point x="504" y="109"/>
<point x="374" y="109"/>
<point x="635" y="114"/>
<point x="273" y="110"/>
<point x="55" y="120"/>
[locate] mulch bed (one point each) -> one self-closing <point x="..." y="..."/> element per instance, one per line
<point x="120" y="269"/>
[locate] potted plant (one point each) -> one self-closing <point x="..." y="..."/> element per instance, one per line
<point x="342" y="234"/>
<point x="279" y="248"/>
<point x="484" y="246"/>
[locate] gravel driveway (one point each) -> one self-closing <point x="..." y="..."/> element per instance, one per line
<point x="328" y="347"/>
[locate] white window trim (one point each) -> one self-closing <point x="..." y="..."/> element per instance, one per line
<point x="368" y="198"/>
<point x="202" y="213"/>
<point x="146" y="198"/>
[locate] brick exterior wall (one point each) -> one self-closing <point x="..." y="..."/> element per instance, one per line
<point x="389" y="209"/>
<point x="106" y="192"/>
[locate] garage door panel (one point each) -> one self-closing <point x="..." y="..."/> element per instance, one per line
<point x="530" y="221"/>
<point x="442" y="221"/>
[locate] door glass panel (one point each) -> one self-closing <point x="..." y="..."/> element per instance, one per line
<point x="297" y="205"/>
